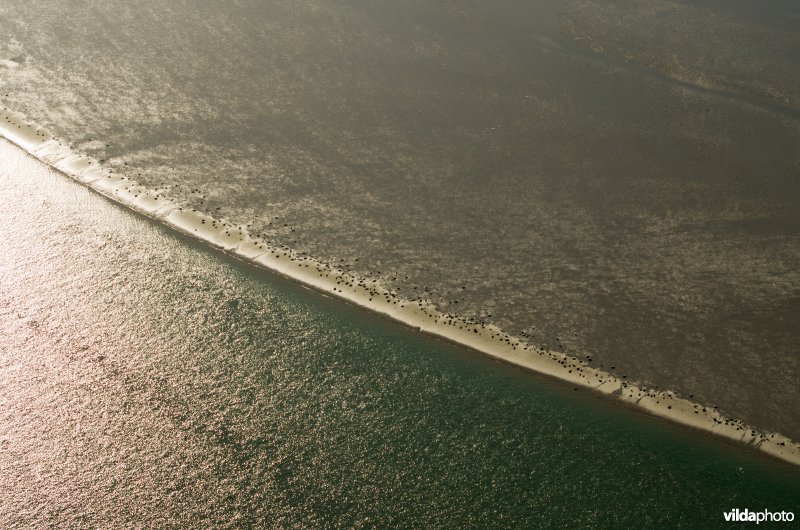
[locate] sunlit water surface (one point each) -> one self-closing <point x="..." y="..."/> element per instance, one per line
<point x="145" y="380"/>
<point x="616" y="179"/>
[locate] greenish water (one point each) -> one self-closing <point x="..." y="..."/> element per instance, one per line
<point x="147" y="380"/>
<point x="616" y="180"/>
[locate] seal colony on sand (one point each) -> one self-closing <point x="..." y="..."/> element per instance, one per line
<point x="419" y="313"/>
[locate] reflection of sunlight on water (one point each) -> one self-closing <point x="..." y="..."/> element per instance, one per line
<point x="78" y="428"/>
<point x="146" y="382"/>
<point x="471" y="147"/>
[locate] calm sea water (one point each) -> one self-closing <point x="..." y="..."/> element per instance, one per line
<point x="145" y="380"/>
<point x="615" y="179"/>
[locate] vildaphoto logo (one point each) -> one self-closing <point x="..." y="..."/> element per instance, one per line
<point x="746" y="516"/>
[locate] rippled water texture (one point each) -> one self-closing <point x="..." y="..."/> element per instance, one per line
<point x="145" y="380"/>
<point x="616" y="179"/>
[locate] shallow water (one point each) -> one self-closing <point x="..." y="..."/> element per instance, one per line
<point x="614" y="179"/>
<point x="147" y="380"/>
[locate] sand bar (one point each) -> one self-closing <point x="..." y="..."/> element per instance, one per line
<point x="420" y="314"/>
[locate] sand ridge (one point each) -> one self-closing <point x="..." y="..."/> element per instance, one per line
<point x="420" y="314"/>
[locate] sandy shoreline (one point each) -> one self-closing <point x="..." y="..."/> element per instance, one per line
<point x="419" y="314"/>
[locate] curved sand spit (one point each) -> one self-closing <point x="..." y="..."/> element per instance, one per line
<point x="421" y="315"/>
